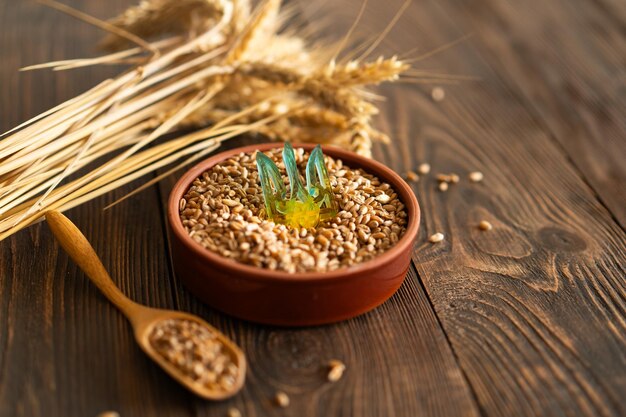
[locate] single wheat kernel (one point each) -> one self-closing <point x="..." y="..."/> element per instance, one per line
<point x="438" y="94"/>
<point x="282" y="400"/>
<point x="424" y="169"/>
<point x="109" y="414"/>
<point x="412" y="176"/>
<point x="233" y="412"/>
<point x="230" y="203"/>
<point x="383" y="198"/>
<point x="443" y="186"/>
<point x="476" y="176"/>
<point x="454" y="179"/>
<point x="436" y="238"/>
<point x="443" y="178"/>
<point x="336" y="369"/>
<point x="485" y="225"/>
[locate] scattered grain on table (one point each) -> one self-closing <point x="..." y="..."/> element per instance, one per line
<point x="109" y="414"/>
<point x="234" y="412"/>
<point x="412" y="176"/>
<point x="336" y="369"/>
<point x="485" y="225"/>
<point x="424" y="169"/>
<point x="438" y="94"/>
<point x="476" y="176"/>
<point x="436" y="238"/>
<point x="281" y="399"/>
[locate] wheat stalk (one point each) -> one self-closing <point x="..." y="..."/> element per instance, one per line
<point x="216" y="65"/>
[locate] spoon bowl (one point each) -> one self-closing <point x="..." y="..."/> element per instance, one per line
<point x="142" y="318"/>
<point x="145" y="322"/>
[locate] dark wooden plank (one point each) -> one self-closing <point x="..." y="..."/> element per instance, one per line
<point x="536" y="308"/>
<point x="64" y="350"/>
<point x="569" y="63"/>
<point x="398" y="360"/>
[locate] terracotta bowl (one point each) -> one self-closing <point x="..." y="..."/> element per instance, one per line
<point x="281" y="298"/>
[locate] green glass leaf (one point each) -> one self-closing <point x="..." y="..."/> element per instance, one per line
<point x="289" y="159"/>
<point x="318" y="184"/>
<point x="271" y="183"/>
<point x="306" y="205"/>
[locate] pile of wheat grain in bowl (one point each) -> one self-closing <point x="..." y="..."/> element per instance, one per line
<point x="224" y="211"/>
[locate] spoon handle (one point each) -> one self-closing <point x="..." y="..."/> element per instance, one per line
<point x="81" y="251"/>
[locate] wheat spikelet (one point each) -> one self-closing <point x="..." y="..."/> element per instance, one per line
<point x="355" y="73"/>
<point x="288" y="50"/>
<point x="241" y="15"/>
<point x="262" y="26"/>
<point x="210" y="63"/>
<point x="315" y="116"/>
<point x="272" y="73"/>
<point x="157" y="17"/>
<point x="341" y="100"/>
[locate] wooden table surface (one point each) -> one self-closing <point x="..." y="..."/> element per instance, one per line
<point x="528" y="319"/>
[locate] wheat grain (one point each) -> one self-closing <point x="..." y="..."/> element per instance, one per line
<point x="281" y="399"/>
<point x="412" y="176"/>
<point x="336" y="370"/>
<point x="438" y="94"/>
<point x="196" y="351"/>
<point x="223" y="212"/>
<point x="424" y="169"/>
<point x="234" y="412"/>
<point x="485" y="225"/>
<point x="436" y="238"/>
<point x="476" y="176"/>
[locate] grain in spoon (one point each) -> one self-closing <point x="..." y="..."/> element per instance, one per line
<point x="193" y="352"/>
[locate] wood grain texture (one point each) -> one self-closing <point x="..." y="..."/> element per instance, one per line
<point x="569" y="64"/>
<point x="64" y="351"/>
<point x="536" y="308"/>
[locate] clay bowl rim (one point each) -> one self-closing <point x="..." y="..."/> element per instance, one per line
<point x="261" y="274"/>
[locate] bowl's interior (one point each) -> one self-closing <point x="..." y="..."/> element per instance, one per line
<point x="350" y="159"/>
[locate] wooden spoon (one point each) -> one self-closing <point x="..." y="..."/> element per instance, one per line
<point x="142" y="318"/>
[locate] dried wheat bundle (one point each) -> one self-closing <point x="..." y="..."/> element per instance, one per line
<point x="213" y="64"/>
